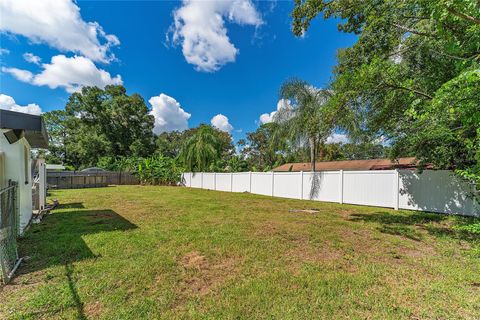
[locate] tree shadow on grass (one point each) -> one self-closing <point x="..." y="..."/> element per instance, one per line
<point x="73" y="291"/>
<point x="58" y="241"/>
<point x="409" y="224"/>
<point x="72" y="205"/>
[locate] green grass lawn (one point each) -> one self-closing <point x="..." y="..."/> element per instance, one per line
<point x="137" y="252"/>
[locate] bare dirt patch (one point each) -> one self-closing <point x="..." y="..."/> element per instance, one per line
<point x="267" y="230"/>
<point x="344" y="213"/>
<point x="311" y="211"/>
<point x="201" y="276"/>
<point x="93" y="310"/>
<point x="308" y="253"/>
<point x="194" y="260"/>
<point x="21" y="282"/>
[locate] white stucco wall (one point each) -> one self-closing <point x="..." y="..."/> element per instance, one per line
<point x="15" y="170"/>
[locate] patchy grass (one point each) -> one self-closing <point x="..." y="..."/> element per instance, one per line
<point x="175" y="253"/>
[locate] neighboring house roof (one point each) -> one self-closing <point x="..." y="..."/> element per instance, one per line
<point x="372" y="164"/>
<point x="17" y="125"/>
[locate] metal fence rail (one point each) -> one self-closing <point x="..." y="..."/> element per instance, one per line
<point x="9" y="259"/>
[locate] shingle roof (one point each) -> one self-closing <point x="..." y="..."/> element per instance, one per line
<point x="373" y="164"/>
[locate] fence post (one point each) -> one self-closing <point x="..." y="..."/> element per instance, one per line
<point x="231" y="181"/>
<point x="250" y="186"/>
<point x="191" y="177"/>
<point x="201" y="180"/>
<point x="396" y="190"/>
<point x="273" y="183"/>
<point x="42" y="185"/>
<point x="214" y="181"/>
<point x="340" y="188"/>
<point x="301" y="185"/>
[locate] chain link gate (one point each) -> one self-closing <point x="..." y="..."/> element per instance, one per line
<point x="9" y="259"/>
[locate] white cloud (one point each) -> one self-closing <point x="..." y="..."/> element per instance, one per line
<point x="337" y="138"/>
<point x="221" y="123"/>
<point x="200" y="27"/>
<point x="168" y="113"/>
<point x="8" y="103"/>
<point x="22" y="75"/>
<point x="268" y="117"/>
<point x="59" y="24"/>
<point x="4" y="51"/>
<point x="69" y="73"/>
<point x="30" y="57"/>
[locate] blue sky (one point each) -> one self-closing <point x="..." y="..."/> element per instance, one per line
<point x="240" y="81"/>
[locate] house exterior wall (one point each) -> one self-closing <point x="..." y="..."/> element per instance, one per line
<point x="14" y="169"/>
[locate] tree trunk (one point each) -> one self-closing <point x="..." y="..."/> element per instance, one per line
<point x="321" y="152"/>
<point x="311" y="141"/>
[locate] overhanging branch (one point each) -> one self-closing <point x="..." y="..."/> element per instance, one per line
<point x="407" y="29"/>
<point x="464" y="16"/>
<point x="421" y="93"/>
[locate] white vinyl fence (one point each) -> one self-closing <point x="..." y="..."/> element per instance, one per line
<point x="435" y="191"/>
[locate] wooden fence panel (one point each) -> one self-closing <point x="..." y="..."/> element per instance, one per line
<point x="75" y="179"/>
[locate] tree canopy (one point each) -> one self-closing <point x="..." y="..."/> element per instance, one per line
<point x="205" y="149"/>
<point x="306" y="119"/>
<point x="413" y="76"/>
<point x="100" y="123"/>
<point x="260" y="150"/>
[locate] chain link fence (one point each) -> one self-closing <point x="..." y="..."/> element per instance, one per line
<point x="9" y="259"/>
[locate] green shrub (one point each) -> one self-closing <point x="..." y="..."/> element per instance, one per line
<point x="153" y="170"/>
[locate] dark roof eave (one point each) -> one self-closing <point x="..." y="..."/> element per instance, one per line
<point x="33" y="126"/>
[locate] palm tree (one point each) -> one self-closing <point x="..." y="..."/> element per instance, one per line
<point x="304" y="118"/>
<point x="201" y="150"/>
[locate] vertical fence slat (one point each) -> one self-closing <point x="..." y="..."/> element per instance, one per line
<point x="396" y="191"/>
<point x="250" y="181"/>
<point x="301" y="185"/>
<point x="340" y="187"/>
<point x="273" y="183"/>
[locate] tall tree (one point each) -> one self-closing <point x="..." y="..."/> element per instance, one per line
<point x="107" y="123"/>
<point x="413" y="76"/>
<point x="57" y="135"/>
<point x="201" y="151"/>
<point x="169" y="144"/>
<point x="260" y="150"/>
<point x="307" y="120"/>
